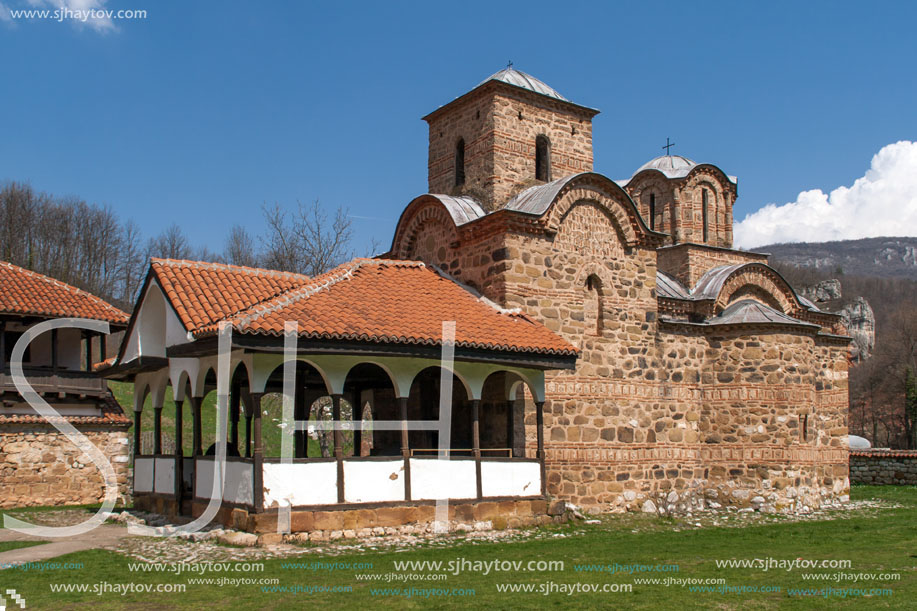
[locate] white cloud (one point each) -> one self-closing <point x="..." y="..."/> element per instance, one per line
<point x="5" y="13"/>
<point x="881" y="203"/>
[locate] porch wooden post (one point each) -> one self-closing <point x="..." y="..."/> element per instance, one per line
<point x="258" y="455"/>
<point x="338" y="443"/>
<point x="137" y="415"/>
<point x="356" y="415"/>
<point x="405" y="449"/>
<point x="88" y="338"/>
<point x="476" y="443"/>
<point x="179" y="456"/>
<point x="511" y="427"/>
<point x="249" y="414"/>
<point x="235" y="400"/>
<point x="539" y="425"/>
<point x="2" y="345"/>
<point x="197" y="450"/>
<point x="54" y="350"/>
<point x="300" y="438"/>
<point x="157" y="429"/>
<point x="102" y="349"/>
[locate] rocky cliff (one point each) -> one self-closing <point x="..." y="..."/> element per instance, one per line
<point x="857" y="313"/>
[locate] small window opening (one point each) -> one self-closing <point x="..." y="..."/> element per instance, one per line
<point x="704" y="218"/>
<point x="542" y="158"/>
<point x="652" y="211"/>
<point x="460" y="162"/>
<point x="594" y="305"/>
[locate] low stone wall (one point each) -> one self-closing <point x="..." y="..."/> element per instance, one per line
<point x="884" y="467"/>
<point x="355" y="521"/>
<point x="40" y="466"/>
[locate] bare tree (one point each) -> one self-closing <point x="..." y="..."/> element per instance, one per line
<point x="306" y="241"/>
<point x="132" y="264"/>
<point x="240" y="248"/>
<point x="170" y="244"/>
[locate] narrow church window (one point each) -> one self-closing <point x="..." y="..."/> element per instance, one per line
<point x="805" y="427"/>
<point x="593" y="306"/>
<point x="704" y="213"/>
<point x="460" y="162"/>
<point x="542" y="158"/>
<point x="652" y="211"/>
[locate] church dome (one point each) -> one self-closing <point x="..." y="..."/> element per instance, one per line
<point x="517" y="78"/>
<point x="673" y="166"/>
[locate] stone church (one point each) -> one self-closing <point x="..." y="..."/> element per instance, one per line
<point x="703" y="378"/>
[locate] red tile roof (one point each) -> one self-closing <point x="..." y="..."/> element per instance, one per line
<point x="205" y="293"/>
<point x="389" y="301"/>
<point x="112" y="414"/>
<point x="30" y="293"/>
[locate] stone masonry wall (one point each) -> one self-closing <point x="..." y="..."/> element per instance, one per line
<point x="40" y="466"/>
<point x="884" y="467"/>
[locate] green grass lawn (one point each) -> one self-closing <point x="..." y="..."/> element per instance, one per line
<point x="882" y="541"/>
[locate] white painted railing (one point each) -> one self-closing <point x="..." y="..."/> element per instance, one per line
<point x="143" y="473"/>
<point x="365" y="481"/>
<point x="164" y="475"/>
<point x="432" y="478"/>
<point x="373" y="481"/>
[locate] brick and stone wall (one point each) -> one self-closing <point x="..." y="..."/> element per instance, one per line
<point x="499" y="125"/>
<point x="688" y="262"/>
<point x="656" y="416"/>
<point x="679" y="205"/>
<point x="40" y="466"/>
<point x="884" y="467"/>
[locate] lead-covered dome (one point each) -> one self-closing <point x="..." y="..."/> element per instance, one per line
<point x="673" y="166"/>
<point x="517" y="78"/>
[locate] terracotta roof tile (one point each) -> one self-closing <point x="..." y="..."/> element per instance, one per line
<point x="204" y="293"/>
<point x="391" y="301"/>
<point x="26" y="292"/>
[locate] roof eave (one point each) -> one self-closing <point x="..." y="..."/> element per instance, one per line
<point x="584" y="110"/>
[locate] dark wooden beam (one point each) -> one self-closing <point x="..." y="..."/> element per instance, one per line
<point x="54" y="350"/>
<point x="338" y="443"/>
<point x="405" y="449"/>
<point x="197" y="450"/>
<point x="539" y="424"/>
<point x="179" y="453"/>
<point x="476" y="443"/>
<point x="157" y="429"/>
<point x="137" y="434"/>
<point x="258" y="454"/>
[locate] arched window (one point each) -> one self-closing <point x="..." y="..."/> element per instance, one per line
<point x="704" y="217"/>
<point x="460" y="162"/>
<point x="652" y="211"/>
<point x="542" y="158"/>
<point x="593" y="306"/>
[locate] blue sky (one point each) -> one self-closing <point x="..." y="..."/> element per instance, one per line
<point x="203" y="111"/>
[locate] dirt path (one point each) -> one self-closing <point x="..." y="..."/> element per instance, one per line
<point x="106" y="535"/>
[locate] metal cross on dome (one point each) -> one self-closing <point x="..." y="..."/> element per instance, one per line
<point x="668" y="145"/>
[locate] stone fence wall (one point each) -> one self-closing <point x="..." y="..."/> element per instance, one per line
<point x="883" y="467"/>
